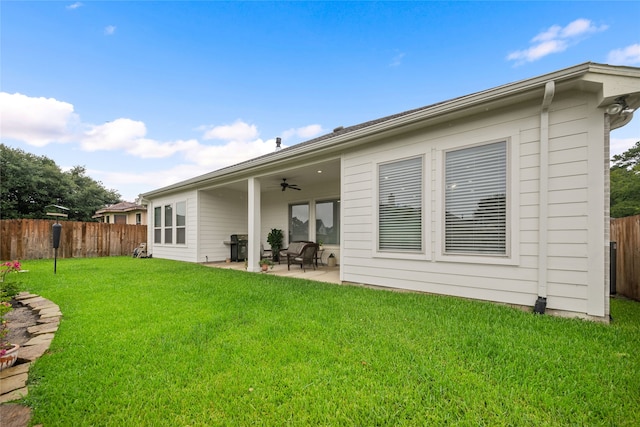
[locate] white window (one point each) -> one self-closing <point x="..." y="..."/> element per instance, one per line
<point x="168" y="224"/>
<point x="475" y="200"/>
<point x="299" y="222"/>
<point x="181" y="223"/>
<point x="328" y="222"/>
<point x="400" y="218"/>
<point x="157" y="224"/>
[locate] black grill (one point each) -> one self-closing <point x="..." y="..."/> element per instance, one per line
<point x="239" y="247"/>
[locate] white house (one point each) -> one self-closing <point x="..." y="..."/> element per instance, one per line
<point x="501" y="195"/>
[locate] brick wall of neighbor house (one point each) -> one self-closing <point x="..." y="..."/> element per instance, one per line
<point x="25" y="239"/>
<point x="574" y="251"/>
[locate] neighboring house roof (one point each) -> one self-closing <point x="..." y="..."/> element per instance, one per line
<point x="121" y="208"/>
<point x="351" y="136"/>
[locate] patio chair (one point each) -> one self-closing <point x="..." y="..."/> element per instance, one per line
<point x="294" y="249"/>
<point x="265" y="253"/>
<point x="307" y="256"/>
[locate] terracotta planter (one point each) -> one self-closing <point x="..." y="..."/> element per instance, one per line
<point x="265" y="267"/>
<point x="9" y="358"/>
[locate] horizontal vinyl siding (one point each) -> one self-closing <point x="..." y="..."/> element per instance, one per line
<point x="222" y="213"/>
<point x="187" y="252"/>
<point x="357" y="211"/>
<point x="568" y="236"/>
<point x="504" y="283"/>
<point x="568" y="225"/>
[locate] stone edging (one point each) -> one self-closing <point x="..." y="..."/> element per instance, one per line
<point x="13" y="381"/>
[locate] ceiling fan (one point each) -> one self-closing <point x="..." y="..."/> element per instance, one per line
<point x="284" y="184"/>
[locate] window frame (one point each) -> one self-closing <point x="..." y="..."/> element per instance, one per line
<point x="511" y="256"/>
<point x="169" y="224"/>
<point x="336" y="220"/>
<point x="425" y="251"/>
<point x="290" y="219"/>
<point x="157" y="225"/>
<point x="181" y="229"/>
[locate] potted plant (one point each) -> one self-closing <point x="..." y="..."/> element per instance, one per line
<point x="274" y="239"/>
<point x="265" y="264"/>
<point x="8" y="351"/>
<point x="331" y="261"/>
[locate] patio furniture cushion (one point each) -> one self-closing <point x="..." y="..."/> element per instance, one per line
<point x="306" y="256"/>
<point x="295" y="249"/>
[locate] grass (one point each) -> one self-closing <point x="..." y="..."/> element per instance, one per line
<point x="151" y="342"/>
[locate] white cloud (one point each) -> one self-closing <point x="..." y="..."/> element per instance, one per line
<point x="554" y="40"/>
<point x="109" y="30"/>
<point x="620" y="145"/>
<point x="305" y="132"/>
<point x="74" y="5"/>
<point x="238" y="131"/>
<point x="397" y="60"/>
<point x="129" y="136"/>
<point x="36" y="121"/>
<point x="41" y="121"/>
<point x="227" y="154"/>
<point x="629" y="55"/>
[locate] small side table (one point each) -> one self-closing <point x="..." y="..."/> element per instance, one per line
<point x="319" y="256"/>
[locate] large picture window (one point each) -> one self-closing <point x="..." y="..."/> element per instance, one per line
<point x="298" y="222"/>
<point x="475" y="199"/>
<point x="400" y="205"/>
<point x="328" y="222"/>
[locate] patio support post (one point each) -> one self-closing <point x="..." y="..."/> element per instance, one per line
<point x="253" y="245"/>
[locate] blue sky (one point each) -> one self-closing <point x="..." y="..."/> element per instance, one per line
<point x="145" y="94"/>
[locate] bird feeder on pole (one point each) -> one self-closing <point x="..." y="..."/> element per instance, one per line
<point x="57" y="231"/>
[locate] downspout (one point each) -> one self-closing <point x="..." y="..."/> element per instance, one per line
<point x="543" y="206"/>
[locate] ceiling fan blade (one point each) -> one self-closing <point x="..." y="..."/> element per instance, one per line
<point x="295" y="188"/>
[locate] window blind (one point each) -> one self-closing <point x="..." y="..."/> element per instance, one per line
<point x="475" y="199"/>
<point x="400" y="205"/>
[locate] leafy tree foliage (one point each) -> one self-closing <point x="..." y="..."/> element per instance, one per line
<point x="28" y="183"/>
<point x="625" y="183"/>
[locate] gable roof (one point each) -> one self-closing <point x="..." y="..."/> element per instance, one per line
<point x="463" y="105"/>
<point x="121" y="207"/>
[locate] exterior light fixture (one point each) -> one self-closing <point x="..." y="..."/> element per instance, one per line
<point x="619" y="106"/>
<point x="614" y="109"/>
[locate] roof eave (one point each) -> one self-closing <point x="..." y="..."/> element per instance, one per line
<point x="443" y="109"/>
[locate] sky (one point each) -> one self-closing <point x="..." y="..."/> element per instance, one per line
<point x="145" y="94"/>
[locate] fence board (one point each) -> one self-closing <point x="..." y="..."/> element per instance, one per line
<point x="626" y="233"/>
<point x="23" y="239"/>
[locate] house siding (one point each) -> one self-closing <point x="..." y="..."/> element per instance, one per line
<point x="574" y="275"/>
<point x="222" y="212"/>
<point x="188" y="251"/>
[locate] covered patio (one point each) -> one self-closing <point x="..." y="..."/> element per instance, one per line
<point x="322" y="273"/>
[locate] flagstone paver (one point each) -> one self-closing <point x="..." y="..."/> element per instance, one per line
<point x="13" y="381"/>
<point x="45" y="328"/>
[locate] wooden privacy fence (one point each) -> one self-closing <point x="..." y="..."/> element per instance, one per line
<point x="22" y="239"/>
<point x="626" y="233"/>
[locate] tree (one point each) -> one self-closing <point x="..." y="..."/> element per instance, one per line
<point x="28" y="183"/>
<point x="84" y="195"/>
<point x="625" y="183"/>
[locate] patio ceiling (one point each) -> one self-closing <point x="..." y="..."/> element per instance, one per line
<point x="304" y="176"/>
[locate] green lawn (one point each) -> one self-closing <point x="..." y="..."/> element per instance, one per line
<point x="152" y="342"/>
